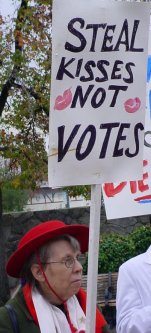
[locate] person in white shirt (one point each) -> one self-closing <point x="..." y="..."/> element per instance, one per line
<point x="133" y="300"/>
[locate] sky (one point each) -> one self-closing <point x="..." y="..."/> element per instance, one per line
<point x="7" y="7"/>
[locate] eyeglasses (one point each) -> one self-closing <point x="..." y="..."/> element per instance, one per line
<point x="69" y="261"/>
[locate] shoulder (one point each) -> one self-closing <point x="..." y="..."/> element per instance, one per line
<point x="24" y="319"/>
<point x="5" y="322"/>
<point x="134" y="263"/>
<point x="105" y="329"/>
<point x="3" y="312"/>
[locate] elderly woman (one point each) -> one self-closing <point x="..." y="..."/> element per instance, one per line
<point x="48" y="260"/>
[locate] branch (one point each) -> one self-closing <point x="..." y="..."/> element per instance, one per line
<point x="6" y="148"/>
<point x="18" y="48"/>
<point x="33" y="94"/>
<point x="3" y="148"/>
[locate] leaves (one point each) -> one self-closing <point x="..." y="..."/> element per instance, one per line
<point x="115" y="249"/>
<point x="75" y="191"/>
<point x="25" y="48"/>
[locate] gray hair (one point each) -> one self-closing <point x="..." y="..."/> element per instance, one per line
<point x="44" y="252"/>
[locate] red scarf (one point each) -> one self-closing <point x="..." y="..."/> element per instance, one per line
<point x="81" y="296"/>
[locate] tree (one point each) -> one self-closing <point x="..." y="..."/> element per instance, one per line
<point x="24" y="90"/>
<point x="12" y="199"/>
<point x="75" y="191"/>
<point x="25" y="63"/>
<point x="4" y="291"/>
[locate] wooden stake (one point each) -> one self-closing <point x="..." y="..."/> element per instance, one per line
<point x="94" y="235"/>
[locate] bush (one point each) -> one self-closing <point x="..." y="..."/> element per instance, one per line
<point x="14" y="200"/>
<point x="115" y="249"/>
<point x="141" y="237"/>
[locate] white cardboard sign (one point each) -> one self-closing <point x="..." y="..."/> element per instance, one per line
<point x="133" y="198"/>
<point x="99" y="55"/>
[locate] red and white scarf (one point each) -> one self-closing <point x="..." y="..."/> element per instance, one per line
<point x="81" y="299"/>
<point x="52" y="319"/>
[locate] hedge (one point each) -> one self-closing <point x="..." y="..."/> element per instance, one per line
<point x="115" y="249"/>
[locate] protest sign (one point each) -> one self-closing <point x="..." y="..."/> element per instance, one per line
<point x="133" y="198"/>
<point x="99" y="54"/>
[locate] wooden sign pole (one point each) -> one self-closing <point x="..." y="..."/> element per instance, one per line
<point x="94" y="235"/>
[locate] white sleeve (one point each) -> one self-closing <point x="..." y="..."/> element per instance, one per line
<point x="132" y="316"/>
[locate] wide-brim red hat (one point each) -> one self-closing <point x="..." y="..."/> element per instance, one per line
<point x="38" y="236"/>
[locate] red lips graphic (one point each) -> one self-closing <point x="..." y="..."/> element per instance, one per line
<point x="132" y="105"/>
<point x="62" y="102"/>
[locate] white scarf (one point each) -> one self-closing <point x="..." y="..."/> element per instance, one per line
<point x="52" y="320"/>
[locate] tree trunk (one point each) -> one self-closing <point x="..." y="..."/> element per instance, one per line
<point x="4" y="287"/>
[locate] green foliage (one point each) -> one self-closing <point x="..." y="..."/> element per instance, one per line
<point x="75" y="191"/>
<point x="115" y="249"/>
<point x="25" y="65"/>
<point x="14" y="200"/>
<point x="141" y="238"/>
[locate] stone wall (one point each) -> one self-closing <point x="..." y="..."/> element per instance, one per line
<point x="17" y="224"/>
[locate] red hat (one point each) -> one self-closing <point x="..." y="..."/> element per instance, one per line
<point x="38" y="236"/>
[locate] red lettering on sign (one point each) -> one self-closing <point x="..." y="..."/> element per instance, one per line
<point x="111" y="190"/>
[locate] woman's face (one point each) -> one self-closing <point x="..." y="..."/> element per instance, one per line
<point x="66" y="282"/>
